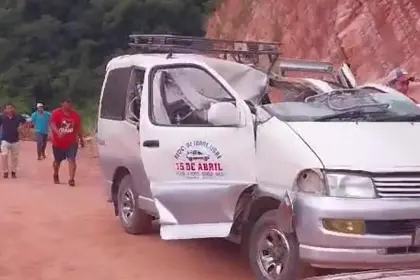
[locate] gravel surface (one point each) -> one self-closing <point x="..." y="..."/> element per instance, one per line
<point x="51" y="232"/>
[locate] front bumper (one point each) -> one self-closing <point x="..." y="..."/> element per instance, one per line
<point x="323" y="248"/>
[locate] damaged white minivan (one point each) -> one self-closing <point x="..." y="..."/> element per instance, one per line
<point x="330" y="176"/>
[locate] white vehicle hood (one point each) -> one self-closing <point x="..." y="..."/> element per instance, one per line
<point x="367" y="146"/>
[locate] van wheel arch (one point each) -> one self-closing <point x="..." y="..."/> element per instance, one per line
<point x="260" y="206"/>
<point x="119" y="173"/>
<point x="257" y="208"/>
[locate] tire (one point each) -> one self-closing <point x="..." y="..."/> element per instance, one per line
<point x="264" y="229"/>
<point x="132" y="218"/>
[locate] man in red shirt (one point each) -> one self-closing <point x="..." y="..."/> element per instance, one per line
<point x="66" y="130"/>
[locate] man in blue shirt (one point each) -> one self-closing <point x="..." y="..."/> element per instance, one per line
<point x="10" y="122"/>
<point x="41" y="120"/>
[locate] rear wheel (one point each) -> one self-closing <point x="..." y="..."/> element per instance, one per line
<point x="132" y="218"/>
<point x="273" y="254"/>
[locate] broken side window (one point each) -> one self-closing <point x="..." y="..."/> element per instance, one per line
<point x="182" y="95"/>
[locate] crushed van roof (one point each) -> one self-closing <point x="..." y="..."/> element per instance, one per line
<point x="248" y="82"/>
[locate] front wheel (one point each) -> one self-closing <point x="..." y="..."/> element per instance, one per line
<point x="273" y="254"/>
<point x="133" y="219"/>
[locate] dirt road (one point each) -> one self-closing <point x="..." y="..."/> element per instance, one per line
<point x="51" y="232"/>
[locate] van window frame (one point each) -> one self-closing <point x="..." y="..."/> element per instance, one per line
<point x="133" y="70"/>
<point x="150" y="78"/>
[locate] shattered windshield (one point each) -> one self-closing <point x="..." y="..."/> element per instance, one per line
<point x="291" y="91"/>
<point x="326" y="77"/>
<point x="346" y="105"/>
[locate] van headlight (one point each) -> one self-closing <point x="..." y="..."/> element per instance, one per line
<point x="349" y="185"/>
<point x="311" y="181"/>
<point x="316" y="182"/>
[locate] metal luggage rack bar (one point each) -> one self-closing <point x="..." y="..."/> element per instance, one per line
<point x="245" y="52"/>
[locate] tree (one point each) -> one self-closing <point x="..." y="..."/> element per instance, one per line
<point x="51" y="48"/>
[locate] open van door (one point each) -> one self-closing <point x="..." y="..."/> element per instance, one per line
<point x="347" y="77"/>
<point x="197" y="167"/>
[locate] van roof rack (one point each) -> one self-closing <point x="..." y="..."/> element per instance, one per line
<point x="245" y="52"/>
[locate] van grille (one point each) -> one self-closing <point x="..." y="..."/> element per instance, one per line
<point x="392" y="227"/>
<point x="397" y="185"/>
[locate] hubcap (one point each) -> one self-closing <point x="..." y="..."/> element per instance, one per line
<point x="127" y="205"/>
<point x="272" y="253"/>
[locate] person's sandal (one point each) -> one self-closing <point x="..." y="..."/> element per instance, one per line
<point x="72" y="183"/>
<point x="56" y="179"/>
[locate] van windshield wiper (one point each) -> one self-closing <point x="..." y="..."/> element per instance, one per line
<point x="347" y="115"/>
<point x="399" y="118"/>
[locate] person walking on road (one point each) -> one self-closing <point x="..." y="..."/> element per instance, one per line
<point x="66" y="130"/>
<point x="40" y="120"/>
<point x="10" y="123"/>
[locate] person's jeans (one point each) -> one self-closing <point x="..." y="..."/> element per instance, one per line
<point x="11" y="149"/>
<point x="41" y="143"/>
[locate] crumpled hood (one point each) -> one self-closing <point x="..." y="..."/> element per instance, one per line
<point x="368" y="146"/>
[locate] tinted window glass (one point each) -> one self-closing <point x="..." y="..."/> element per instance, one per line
<point x="114" y="95"/>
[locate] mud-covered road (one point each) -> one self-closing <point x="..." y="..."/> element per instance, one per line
<point x="52" y="232"/>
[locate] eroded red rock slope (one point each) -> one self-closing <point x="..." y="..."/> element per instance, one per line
<point x="374" y="36"/>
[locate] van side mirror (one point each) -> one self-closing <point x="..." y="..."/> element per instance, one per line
<point x="223" y="114"/>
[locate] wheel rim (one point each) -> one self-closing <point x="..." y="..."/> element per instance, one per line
<point x="127" y="206"/>
<point x="273" y="250"/>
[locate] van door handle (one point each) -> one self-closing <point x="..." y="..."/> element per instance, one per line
<point x="151" y="143"/>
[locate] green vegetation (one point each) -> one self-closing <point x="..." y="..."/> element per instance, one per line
<point x="50" y="49"/>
